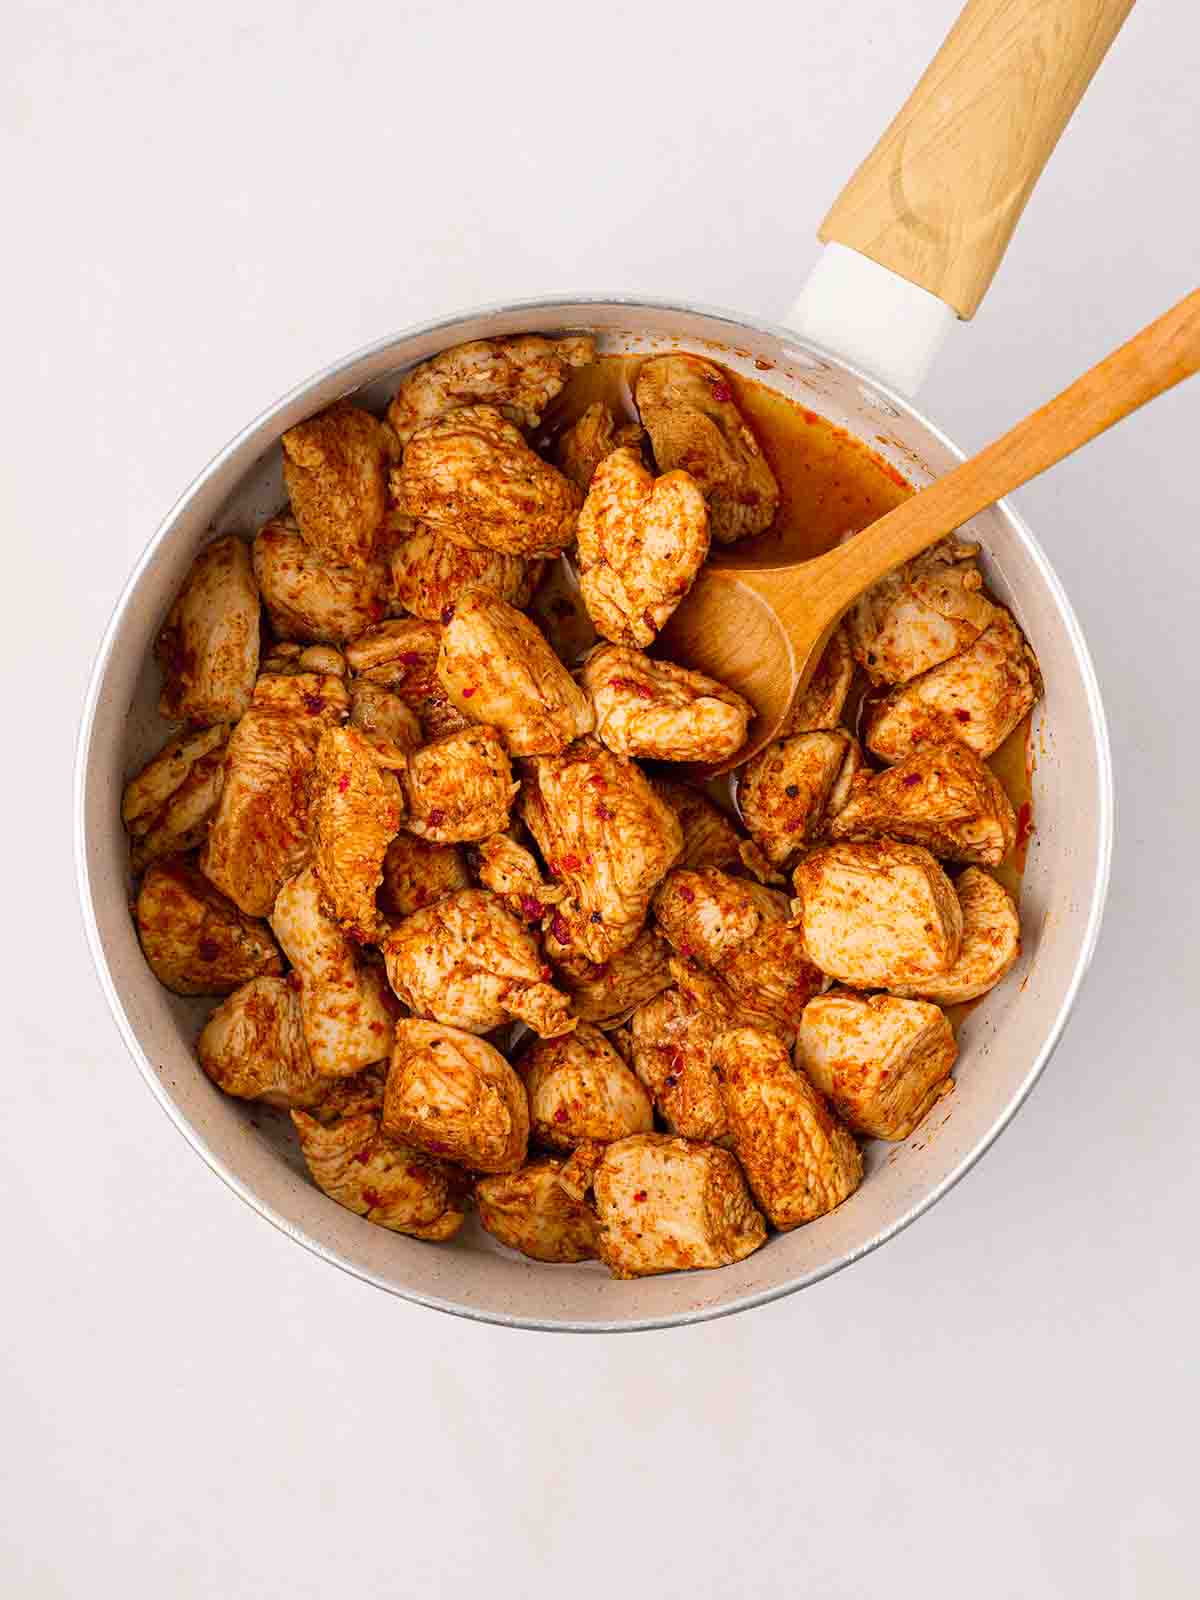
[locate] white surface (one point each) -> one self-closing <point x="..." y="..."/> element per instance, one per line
<point x="202" y="206"/>
<point x="873" y="317"/>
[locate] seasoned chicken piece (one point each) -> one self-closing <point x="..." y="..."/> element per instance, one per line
<point x="579" y="1088"/>
<point x="252" y="1046"/>
<point x="377" y="710"/>
<point x="709" y="838"/>
<point x="799" y="1159"/>
<point x="520" y="374"/>
<point x="417" y="872"/>
<point x="346" y="1009"/>
<point x="877" y="915"/>
<point x="740" y="932"/>
<point x="978" y="697"/>
<point x="881" y="1061"/>
<point x="259" y="835"/>
<point x="497" y="668"/>
<point x="530" y="1211"/>
<point x="606" y="835"/>
<point x="687" y="408"/>
<point x="208" y="646"/>
<point x="335" y="469"/>
<point x="195" y="940"/>
<point x="459" y="788"/>
<point x="455" y="1096"/>
<point x="821" y="704"/>
<point x="310" y="598"/>
<point x="784" y="791"/>
<point x="469" y="963"/>
<point x="583" y="446"/>
<point x="922" y="614"/>
<point x="401" y="656"/>
<point x="943" y="797"/>
<point x="661" y="712"/>
<point x="289" y="658"/>
<point x="354" y="814"/>
<point x="991" y="943"/>
<point x="668" y="1205"/>
<point x="167" y="808"/>
<point x="642" y="540"/>
<point x="673" y="1041"/>
<point x="430" y="574"/>
<point x="609" y="993"/>
<point x="355" y="1164"/>
<point x="511" y="871"/>
<point x="471" y="477"/>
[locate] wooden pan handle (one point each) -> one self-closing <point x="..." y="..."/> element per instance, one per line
<point x="939" y="196"/>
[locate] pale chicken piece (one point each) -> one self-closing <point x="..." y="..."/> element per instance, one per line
<point x="467" y="962"/>
<point x="579" y="1088"/>
<point x="926" y="611"/>
<point x="673" y="1040"/>
<point x="312" y="599"/>
<point x="401" y="656"/>
<point x="799" y="1159"/>
<point x="335" y="469"/>
<point x="519" y="373"/>
<point x="377" y="710"/>
<point x="252" y="1046"/>
<point x="195" y="940"/>
<point x="168" y="806"/>
<point x="991" y="943"/>
<point x="687" y="408"/>
<point x="431" y="574"/>
<point x="877" y="915"/>
<point x="642" y="540"/>
<point x="417" y="873"/>
<point x="208" y="646"/>
<point x="259" y="834"/>
<point x="498" y="669"/>
<point x="354" y="814"/>
<point x="346" y="1009"/>
<point x="290" y="658"/>
<point x="390" y="1184"/>
<point x="943" y="797"/>
<point x="609" y="993"/>
<point x="821" y="704"/>
<point x="977" y="697"/>
<point x="581" y="448"/>
<point x="882" y="1062"/>
<point x="709" y="838"/>
<point x="459" y="788"/>
<point x="471" y="477"/>
<point x="784" y="791"/>
<point x="607" y="837"/>
<point x="454" y="1095"/>
<point x="530" y="1211"/>
<point x="512" y="872"/>
<point x="670" y="1205"/>
<point x="660" y="712"/>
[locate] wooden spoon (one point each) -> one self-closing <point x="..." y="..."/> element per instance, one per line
<point x="762" y="630"/>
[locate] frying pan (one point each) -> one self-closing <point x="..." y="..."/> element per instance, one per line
<point x="911" y="245"/>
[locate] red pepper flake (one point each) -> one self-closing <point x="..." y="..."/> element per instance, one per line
<point x="596" y="781"/>
<point x="436" y="817"/>
<point x="910" y="778"/>
<point x="686" y="951"/>
<point x="531" y="909"/>
<point x="604" y="814"/>
<point x="412" y="658"/>
<point x="295" y="981"/>
<point x="962" y="714"/>
<point x="570" y="863"/>
<point x="440" y="1148"/>
<point x="467" y="693"/>
<point x="313" y="703"/>
<point x="362" y="1157"/>
<point x="561" y="1114"/>
<point x="640" y="1195"/>
<point x="722" y="391"/>
<point x="378" y="611"/>
<point x="559" y="928"/>
<point x="686" y="894"/>
<point x="343" y="783"/>
<point x="637" y="688"/>
<point x="546" y="973"/>
<point x="447" y="614"/>
<point x="552" y="868"/>
<point x="648" y="619"/>
<point x="371" y="1196"/>
<point x="208" y="950"/>
<point x="356" y="936"/>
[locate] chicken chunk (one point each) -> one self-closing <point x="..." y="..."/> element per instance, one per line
<point x="530" y="1211"/>
<point x="459" y="788"/>
<point x="977" y="697"/>
<point x="401" y="656"/>
<point x="608" y="994"/>
<point x="784" y="791"/>
<point x="391" y="1184"/>
<point x="168" y="806"/>
<point x="377" y="710"/>
<point x="512" y="872"/>
<point x="881" y="1061"/>
<point x="687" y="408"/>
<point x="208" y="646"/>
<point x="471" y="477"/>
<point x="877" y="915"/>
<point x="709" y="838"/>
<point x="469" y="963"/>
<point x="520" y="374"/>
<point x="354" y="814"/>
<point x="799" y="1159"/>
<point x="579" y="1088"/>
<point x="430" y="574"/>
<point x="335" y="468"/>
<point x="821" y="704"/>
<point x="289" y="658"/>
<point x="669" y="1205"/>
<point x="310" y="598"/>
<point x="346" y="1009"/>
<point x="497" y="668"/>
<point x="642" y="540"/>
<point x="195" y="940"/>
<point x="604" y="834"/>
<point x="660" y="712"/>
<point x="252" y="1046"/>
<point x="417" y="872"/>
<point x="943" y="797"/>
<point x="454" y="1095"/>
<point x="581" y="448"/>
<point x="920" y="615"/>
<point x="991" y="943"/>
<point x="673" y="1041"/>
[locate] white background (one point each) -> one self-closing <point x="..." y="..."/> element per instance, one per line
<point x="205" y="203"/>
